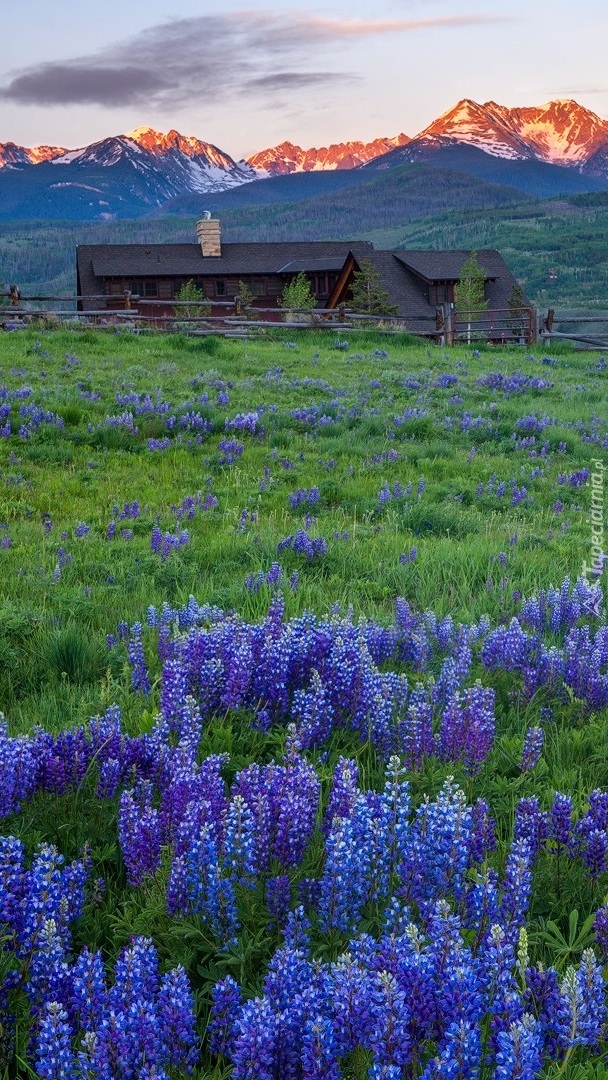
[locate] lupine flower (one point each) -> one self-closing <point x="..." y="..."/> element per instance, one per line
<point x="54" y="1056"/>
<point x="532" y="750"/>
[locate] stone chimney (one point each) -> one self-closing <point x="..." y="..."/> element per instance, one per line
<point x="208" y="233"/>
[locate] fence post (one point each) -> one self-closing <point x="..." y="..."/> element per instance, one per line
<point x="15" y="295"/>
<point x="549" y="319"/>
<point x="127" y="295"/>
<point x="448" y="320"/>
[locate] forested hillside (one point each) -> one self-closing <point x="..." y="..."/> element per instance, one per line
<point x="558" y="248"/>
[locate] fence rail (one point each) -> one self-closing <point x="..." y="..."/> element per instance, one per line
<point x="589" y="340"/>
<point x="231" y="318"/>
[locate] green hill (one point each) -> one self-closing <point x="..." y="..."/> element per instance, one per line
<point x="557" y="248"/>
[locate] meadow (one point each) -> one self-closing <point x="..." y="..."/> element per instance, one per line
<point x="303" y="766"/>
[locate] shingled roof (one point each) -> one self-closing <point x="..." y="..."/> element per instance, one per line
<point x="446" y="265"/>
<point x="406" y="275"/>
<point x="406" y="292"/>
<point x="186" y="260"/>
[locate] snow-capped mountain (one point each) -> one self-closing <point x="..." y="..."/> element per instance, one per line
<point x="287" y="158"/>
<point x="559" y="133"/>
<point x="557" y="148"/>
<point x="11" y="154"/>
<point x="176" y="162"/>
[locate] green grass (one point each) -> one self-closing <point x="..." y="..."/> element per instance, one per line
<point x="55" y="669"/>
<point x="53" y="632"/>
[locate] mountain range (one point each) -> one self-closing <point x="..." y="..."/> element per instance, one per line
<point x="554" y="149"/>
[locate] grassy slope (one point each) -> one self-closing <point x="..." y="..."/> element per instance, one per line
<point x="79" y="475"/>
<point x="57" y="671"/>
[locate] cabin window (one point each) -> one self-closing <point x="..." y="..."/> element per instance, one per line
<point x="256" y="285"/>
<point x="115" y="288"/>
<point x="148" y="289"/>
<point x="220" y="287"/>
<point x="441" y="292"/>
<point x="322" y="284"/>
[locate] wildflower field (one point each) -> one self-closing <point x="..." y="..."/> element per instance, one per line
<point x="303" y="763"/>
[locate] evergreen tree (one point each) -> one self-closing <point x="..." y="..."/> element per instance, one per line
<point x="469" y="291"/>
<point x="518" y="318"/>
<point x="367" y="294"/>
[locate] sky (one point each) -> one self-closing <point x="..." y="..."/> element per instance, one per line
<point x="246" y="75"/>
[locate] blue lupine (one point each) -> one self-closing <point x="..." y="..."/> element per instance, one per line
<point x="519" y="1052"/>
<point x="239" y="854"/>
<point x="517" y="884"/>
<point x="459" y="1054"/>
<point x="389" y="1038"/>
<point x="255" y="1042"/>
<point x="89" y="990"/>
<point x="54" y="1056"/>
<point x="588" y="1000"/>
<point x="533" y="745"/>
<point x="319" y="1049"/>
<point x="177" y="1021"/>
<point x="139" y="833"/>
<point x="225" y="1006"/>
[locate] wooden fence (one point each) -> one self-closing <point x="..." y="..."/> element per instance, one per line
<point x="588" y="331"/>
<point x="519" y="326"/>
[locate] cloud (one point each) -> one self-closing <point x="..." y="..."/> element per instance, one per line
<point x="324" y="27"/>
<point x="56" y="84"/>
<point x="208" y="59"/>
<point x="296" y="80"/>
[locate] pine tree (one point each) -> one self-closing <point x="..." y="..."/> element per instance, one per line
<point x="469" y="291"/>
<point x="517" y="319"/>
<point x="367" y="294"/>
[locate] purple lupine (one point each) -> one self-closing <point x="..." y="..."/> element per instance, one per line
<point x="467" y="726"/>
<point x="560" y="822"/>
<point x="139" y="833"/>
<point x="483" y="832"/>
<point x="278" y="897"/>
<point x="139" y="672"/>
<point x="519" y="1051"/>
<point x="600" y="929"/>
<point x="54" y="1055"/>
<point x="225" y="1007"/>
<point x="533" y="746"/>
<point x="177" y="1021"/>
